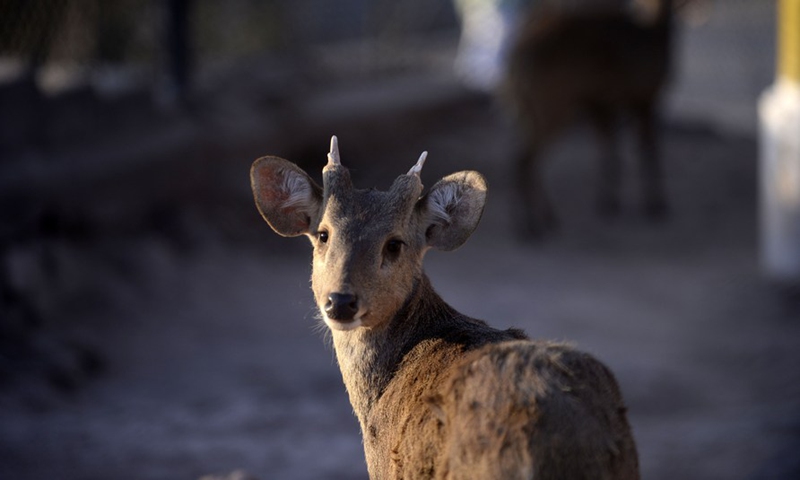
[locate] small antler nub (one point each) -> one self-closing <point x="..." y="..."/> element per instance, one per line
<point x="333" y="156"/>
<point x="417" y="168"/>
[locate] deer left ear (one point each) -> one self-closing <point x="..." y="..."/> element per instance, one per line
<point x="285" y="195"/>
<point x="453" y="208"/>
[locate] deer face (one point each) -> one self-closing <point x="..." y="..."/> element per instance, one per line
<point x="368" y="244"/>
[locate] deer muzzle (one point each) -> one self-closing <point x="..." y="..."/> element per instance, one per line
<point x="341" y="307"/>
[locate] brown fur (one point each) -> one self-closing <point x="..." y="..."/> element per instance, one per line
<point x="544" y="411"/>
<point x="438" y="394"/>
<point x="564" y="66"/>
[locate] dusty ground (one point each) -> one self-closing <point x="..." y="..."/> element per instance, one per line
<point x="215" y="362"/>
<point x="213" y="359"/>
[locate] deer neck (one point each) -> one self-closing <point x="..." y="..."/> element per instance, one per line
<point x="370" y="357"/>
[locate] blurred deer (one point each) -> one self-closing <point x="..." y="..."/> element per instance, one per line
<point x="597" y="64"/>
<point x="438" y="394"/>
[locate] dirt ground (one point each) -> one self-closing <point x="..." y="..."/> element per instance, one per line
<point x="211" y="358"/>
<point x="214" y="360"/>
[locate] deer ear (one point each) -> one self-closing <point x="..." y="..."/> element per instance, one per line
<point x="453" y="208"/>
<point x="285" y="195"/>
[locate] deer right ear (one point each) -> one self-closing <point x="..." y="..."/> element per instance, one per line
<point x="285" y="195"/>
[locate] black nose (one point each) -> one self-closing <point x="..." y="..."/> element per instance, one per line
<point x="341" y="306"/>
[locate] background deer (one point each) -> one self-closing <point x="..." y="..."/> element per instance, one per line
<point x="598" y="65"/>
<point x="438" y="394"/>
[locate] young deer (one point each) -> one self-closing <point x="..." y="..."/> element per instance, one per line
<point x="597" y="64"/>
<point x="438" y="394"/>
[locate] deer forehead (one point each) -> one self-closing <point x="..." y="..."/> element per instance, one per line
<point x="364" y="214"/>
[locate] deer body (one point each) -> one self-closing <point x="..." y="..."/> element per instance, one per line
<point x="438" y="394"/>
<point x="598" y="66"/>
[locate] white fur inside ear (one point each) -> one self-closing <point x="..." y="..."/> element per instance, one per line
<point x="442" y="201"/>
<point x="297" y="190"/>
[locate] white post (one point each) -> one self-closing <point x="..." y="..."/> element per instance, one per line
<point x="779" y="116"/>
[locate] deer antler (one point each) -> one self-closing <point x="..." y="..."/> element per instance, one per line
<point x="417" y="168"/>
<point x="333" y="156"/>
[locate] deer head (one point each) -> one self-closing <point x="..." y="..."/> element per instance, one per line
<point x="368" y="244"/>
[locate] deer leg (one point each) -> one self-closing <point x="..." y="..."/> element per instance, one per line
<point x="537" y="216"/>
<point x="655" y="203"/>
<point x="608" y="191"/>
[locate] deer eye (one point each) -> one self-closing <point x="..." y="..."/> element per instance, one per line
<point x="322" y="236"/>
<point x="393" y="247"/>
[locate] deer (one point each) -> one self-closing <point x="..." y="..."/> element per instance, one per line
<point x="437" y="394"/>
<point x="597" y="65"/>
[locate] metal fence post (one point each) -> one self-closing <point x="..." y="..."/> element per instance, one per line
<point x="779" y="118"/>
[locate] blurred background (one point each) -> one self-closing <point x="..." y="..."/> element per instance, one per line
<point x="152" y="326"/>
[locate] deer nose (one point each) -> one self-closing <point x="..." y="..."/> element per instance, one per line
<point x="341" y="306"/>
